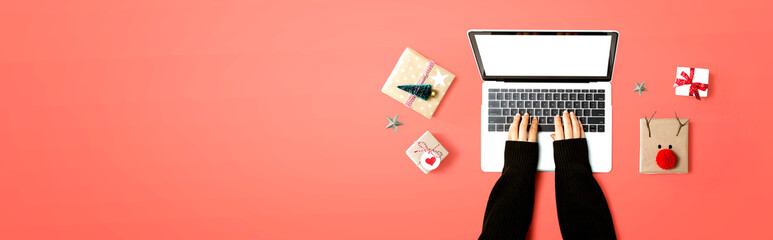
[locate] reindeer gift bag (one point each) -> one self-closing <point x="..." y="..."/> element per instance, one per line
<point x="663" y="145"/>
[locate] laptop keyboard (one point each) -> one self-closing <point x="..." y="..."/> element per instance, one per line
<point x="587" y="104"/>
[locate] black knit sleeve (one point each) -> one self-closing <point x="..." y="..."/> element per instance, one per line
<point x="582" y="208"/>
<point x="510" y="205"/>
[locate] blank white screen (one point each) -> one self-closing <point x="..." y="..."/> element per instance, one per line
<point x="544" y="55"/>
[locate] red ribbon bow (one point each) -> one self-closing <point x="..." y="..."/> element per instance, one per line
<point x="694" y="86"/>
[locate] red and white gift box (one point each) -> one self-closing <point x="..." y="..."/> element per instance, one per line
<point x="426" y="152"/>
<point x="693" y="82"/>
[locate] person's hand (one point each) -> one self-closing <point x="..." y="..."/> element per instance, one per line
<point x="567" y="127"/>
<point x="518" y="132"/>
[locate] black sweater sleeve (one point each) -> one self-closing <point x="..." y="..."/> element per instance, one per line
<point x="582" y="208"/>
<point x="510" y="205"/>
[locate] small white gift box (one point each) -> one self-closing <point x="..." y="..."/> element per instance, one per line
<point x="692" y="82"/>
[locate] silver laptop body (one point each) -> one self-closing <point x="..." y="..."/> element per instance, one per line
<point x="543" y="72"/>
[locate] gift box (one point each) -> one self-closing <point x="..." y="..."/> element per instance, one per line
<point x="418" y="83"/>
<point x="692" y="82"/>
<point x="663" y="145"/>
<point x="426" y="153"/>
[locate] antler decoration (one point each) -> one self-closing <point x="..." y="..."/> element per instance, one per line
<point x="680" y="123"/>
<point x="649" y="132"/>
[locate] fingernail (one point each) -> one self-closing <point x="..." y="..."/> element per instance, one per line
<point x="566" y="111"/>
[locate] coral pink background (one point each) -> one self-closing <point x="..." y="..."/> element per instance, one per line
<point x="264" y="120"/>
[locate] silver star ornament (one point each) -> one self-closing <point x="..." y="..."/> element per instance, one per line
<point x="393" y="123"/>
<point x="639" y="87"/>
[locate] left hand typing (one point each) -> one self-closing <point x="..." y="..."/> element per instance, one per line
<point x="518" y="132"/>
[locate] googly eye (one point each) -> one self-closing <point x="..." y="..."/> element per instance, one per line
<point x="658" y="146"/>
<point x="669" y="146"/>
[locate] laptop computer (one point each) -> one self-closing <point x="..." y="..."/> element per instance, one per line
<point x="544" y="72"/>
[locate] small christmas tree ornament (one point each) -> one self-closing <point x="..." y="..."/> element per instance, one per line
<point x="423" y="91"/>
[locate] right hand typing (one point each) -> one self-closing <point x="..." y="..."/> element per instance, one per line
<point x="567" y="127"/>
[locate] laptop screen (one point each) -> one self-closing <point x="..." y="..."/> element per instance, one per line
<point x="544" y="55"/>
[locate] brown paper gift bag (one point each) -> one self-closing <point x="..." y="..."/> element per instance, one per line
<point x="661" y="137"/>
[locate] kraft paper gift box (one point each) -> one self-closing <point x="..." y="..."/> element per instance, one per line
<point x="414" y="69"/>
<point x="662" y="142"/>
<point x="692" y="82"/>
<point x="426" y="152"/>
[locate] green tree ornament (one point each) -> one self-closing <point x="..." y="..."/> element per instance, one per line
<point x="423" y="91"/>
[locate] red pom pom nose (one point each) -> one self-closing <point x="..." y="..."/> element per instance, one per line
<point x="666" y="159"/>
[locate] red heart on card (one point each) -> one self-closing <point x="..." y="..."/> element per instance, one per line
<point x="430" y="161"/>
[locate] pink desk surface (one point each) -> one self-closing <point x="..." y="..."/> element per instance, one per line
<point x="264" y="120"/>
